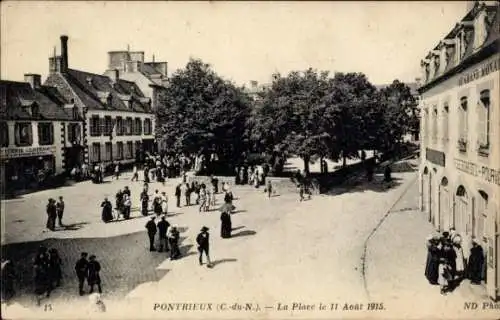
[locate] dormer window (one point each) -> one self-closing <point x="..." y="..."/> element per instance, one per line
<point x="109" y="100"/>
<point x="76" y="114"/>
<point x="130" y="103"/>
<point x="35" y="111"/>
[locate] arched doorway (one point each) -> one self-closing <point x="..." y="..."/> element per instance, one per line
<point x="444" y="205"/>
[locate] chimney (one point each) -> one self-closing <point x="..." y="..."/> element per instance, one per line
<point x="35" y="80"/>
<point x="64" y="54"/>
<point x="113" y="75"/>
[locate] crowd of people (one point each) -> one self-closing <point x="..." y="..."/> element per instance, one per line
<point x="446" y="263"/>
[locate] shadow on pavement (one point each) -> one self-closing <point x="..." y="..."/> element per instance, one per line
<point x="238" y="228"/>
<point x="244" y="233"/>
<point x="125" y="260"/>
<point x="238" y="211"/>
<point x="72" y="226"/>
<point x="376" y="185"/>
<point x="217" y="262"/>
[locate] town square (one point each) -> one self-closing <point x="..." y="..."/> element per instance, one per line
<point x="135" y="189"/>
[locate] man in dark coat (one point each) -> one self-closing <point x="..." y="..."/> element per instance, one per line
<point x="215" y="184"/>
<point x="94" y="267"/>
<point x="81" y="268"/>
<point x="203" y="245"/>
<point x="178" y="195"/>
<point x="162" y="233"/>
<point x="60" y="210"/>
<point x="151" y="227"/>
<point x="146" y="174"/>
<point x="432" y="263"/>
<point x="126" y="191"/>
<point x="476" y="263"/>
<point x="55" y="264"/>
<point x="226" y="225"/>
<point x="51" y="214"/>
<point x="107" y="210"/>
<point x="173" y="242"/>
<point x="144" y="202"/>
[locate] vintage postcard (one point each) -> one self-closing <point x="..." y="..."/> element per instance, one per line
<point x="250" y="160"/>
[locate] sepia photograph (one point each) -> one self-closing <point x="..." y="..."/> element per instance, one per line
<point x="250" y="159"/>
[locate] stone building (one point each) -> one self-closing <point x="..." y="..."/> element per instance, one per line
<point x="119" y="121"/>
<point x="150" y="77"/>
<point x="460" y="130"/>
<point x="40" y="132"/>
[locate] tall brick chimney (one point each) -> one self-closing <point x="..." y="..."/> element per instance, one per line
<point x="64" y="54"/>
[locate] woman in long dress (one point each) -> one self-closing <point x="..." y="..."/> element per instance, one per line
<point x="107" y="210"/>
<point x="203" y="198"/>
<point x="456" y="240"/>
<point x="476" y="263"/>
<point x="432" y="263"/>
<point x="226" y="225"/>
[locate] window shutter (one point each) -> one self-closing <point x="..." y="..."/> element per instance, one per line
<point x="481" y="124"/>
<point x="30" y="133"/>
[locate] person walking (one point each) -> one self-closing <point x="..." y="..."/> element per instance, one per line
<point x="178" y="191"/>
<point x="94" y="278"/>
<point x="173" y="242"/>
<point x="119" y="204"/>
<point x="51" y="214"/>
<point x="203" y="198"/>
<point x="81" y="268"/>
<point x="55" y="271"/>
<point x="60" y="210"/>
<point x="146" y="174"/>
<point x="164" y="203"/>
<point x="127" y="205"/>
<point x="107" y="210"/>
<point x="117" y="171"/>
<point x="203" y="241"/>
<point x="269" y="188"/>
<point x="135" y="174"/>
<point x="144" y="202"/>
<point x="157" y="203"/>
<point x="226" y="225"/>
<point x="41" y="274"/>
<point x="163" y="226"/>
<point x="151" y="227"/>
<point x="185" y="189"/>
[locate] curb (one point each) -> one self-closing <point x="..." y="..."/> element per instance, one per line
<point x="388" y="212"/>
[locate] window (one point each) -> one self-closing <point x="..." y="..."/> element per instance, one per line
<point x="483" y="121"/>
<point x="45" y="133"/>
<point x="24" y="134"/>
<point x="446" y="119"/>
<point x="482" y="214"/>
<point x="425" y="126"/>
<point x="95" y="152"/>
<point x="434" y="124"/>
<point x="119" y="148"/>
<point x="108" y="151"/>
<point x="130" y="151"/>
<point x="128" y="126"/>
<point x="462" y="125"/>
<point x="76" y="113"/>
<point x="95" y="126"/>
<point x="74" y="133"/>
<point x="119" y="126"/>
<point x="138" y="126"/>
<point x="108" y="126"/>
<point x="147" y="126"/>
<point x="137" y="147"/>
<point x="4" y="134"/>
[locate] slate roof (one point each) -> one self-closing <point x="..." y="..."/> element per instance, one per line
<point x="91" y="88"/>
<point x="15" y="96"/>
<point x="148" y="69"/>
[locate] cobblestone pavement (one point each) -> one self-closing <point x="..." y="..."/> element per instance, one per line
<point x="282" y="250"/>
<point x="396" y="256"/>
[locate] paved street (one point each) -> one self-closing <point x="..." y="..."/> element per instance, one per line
<point x="281" y="251"/>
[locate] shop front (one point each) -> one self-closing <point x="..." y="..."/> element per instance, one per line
<point x="27" y="167"/>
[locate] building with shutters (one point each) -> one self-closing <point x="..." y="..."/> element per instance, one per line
<point x="460" y="135"/>
<point x="150" y="77"/>
<point x="119" y="120"/>
<point x="40" y="130"/>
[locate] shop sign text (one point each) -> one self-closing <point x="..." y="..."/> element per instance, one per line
<point x="9" y="153"/>
<point x="488" y="174"/>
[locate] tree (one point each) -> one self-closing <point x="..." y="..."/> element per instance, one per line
<point x="287" y="118"/>
<point x="400" y="114"/>
<point x="204" y="111"/>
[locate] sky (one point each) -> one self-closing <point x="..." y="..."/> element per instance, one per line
<point x="242" y="41"/>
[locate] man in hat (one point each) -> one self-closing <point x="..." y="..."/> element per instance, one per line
<point x="203" y="245"/>
<point x="81" y="268"/>
<point x="94" y="278"/>
<point x="51" y="214"/>
<point x="60" y="210"/>
<point x="162" y="233"/>
<point x="151" y="227"/>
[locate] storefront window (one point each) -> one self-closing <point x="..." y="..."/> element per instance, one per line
<point x="4" y="134"/>
<point x="24" y="134"/>
<point x="45" y="133"/>
<point x="119" y="147"/>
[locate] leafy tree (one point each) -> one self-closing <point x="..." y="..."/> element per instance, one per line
<point x="203" y="110"/>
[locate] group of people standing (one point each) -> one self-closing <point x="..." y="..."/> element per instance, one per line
<point x="446" y="265"/>
<point x="47" y="267"/>
<point x="168" y="237"/>
<point x="55" y="211"/>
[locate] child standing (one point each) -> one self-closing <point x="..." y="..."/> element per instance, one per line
<point x="269" y="188"/>
<point x="444" y="275"/>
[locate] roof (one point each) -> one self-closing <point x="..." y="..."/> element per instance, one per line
<point x="93" y="89"/>
<point x="149" y="69"/>
<point x="15" y="96"/>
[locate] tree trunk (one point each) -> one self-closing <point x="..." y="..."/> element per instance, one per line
<point x="306" y="164"/>
<point x="322" y="169"/>
<point x="344" y="161"/>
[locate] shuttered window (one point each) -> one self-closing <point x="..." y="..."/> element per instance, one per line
<point x="446" y="114"/>
<point x="483" y="119"/>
